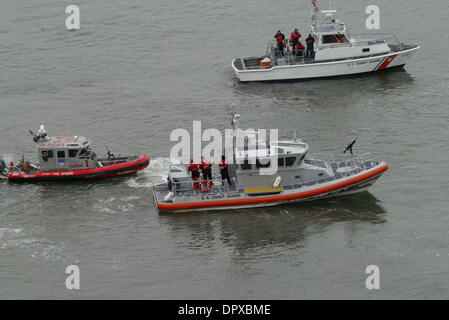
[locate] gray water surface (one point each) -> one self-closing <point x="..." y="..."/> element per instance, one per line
<point x="138" y="69"/>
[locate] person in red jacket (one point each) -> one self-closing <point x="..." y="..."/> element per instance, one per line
<point x="206" y="168"/>
<point x="279" y="36"/>
<point x="299" y="49"/>
<point x="224" y="170"/>
<point x="294" y="38"/>
<point x="194" y="170"/>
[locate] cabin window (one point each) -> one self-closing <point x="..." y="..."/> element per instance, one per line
<point x="333" y="38"/>
<point x="365" y="50"/>
<point x="47" y="154"/>
<point x="73" y="153"/>
<point x="281" y="162"/>
<point x="289" y="161"/>
<point x="61" y="154"/>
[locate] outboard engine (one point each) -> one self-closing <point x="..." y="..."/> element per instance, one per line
<point x="2" y="167"/>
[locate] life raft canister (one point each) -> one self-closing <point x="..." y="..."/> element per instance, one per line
<point x="265" y="63"/>
<point x="209" y="185"/>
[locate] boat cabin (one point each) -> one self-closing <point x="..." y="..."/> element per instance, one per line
<point x="333" y="41"/>
<point x="66" y="153"/>
<point x="253" y="160"/>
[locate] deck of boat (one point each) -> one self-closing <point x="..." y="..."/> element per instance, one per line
<point x="290" y="58"/>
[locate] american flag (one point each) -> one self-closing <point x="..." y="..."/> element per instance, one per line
<point x="315" y="3"/>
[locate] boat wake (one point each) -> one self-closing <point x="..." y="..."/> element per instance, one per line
<point x="116" y="205"/>
<point x="155" y="173"/>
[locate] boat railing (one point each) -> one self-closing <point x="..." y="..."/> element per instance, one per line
<point x="352" y="162"/>
<point x="288" y="57"/>
<point x="351" y="166"/>
<point x="108" y="161"/>
<point x="185" y="187"/>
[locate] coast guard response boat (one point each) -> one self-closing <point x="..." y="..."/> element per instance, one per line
<point x="70" y="158"/>
<point x="335" y="53"/>
<point x="297" y="178"/>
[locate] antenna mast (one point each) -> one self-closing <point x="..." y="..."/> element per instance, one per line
<point x="314" y="12"/>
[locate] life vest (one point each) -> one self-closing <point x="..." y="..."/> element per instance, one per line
<point x="205" y="165"/>
<point x="223" y="164"/>
<point x="309" y="41"/>
<point x="299" y="46"/>
<point x="193" y="167"/>
<point x="295" y="35"/>
<point x="279" y="37"/>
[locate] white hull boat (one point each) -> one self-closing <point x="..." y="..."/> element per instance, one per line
<point x="335" y="53"/>
<point x="297" y="177"/>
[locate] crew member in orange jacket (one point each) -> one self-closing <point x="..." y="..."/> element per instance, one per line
<point x="224" y="170"/>
<point x="194" y="170"/>
<point x="279" y="36"/>
<point x="294" y="38"/>
<point x="206" y="168"/>
<point x="299" y="49"/>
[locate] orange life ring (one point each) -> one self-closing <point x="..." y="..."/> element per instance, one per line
<point x="209" y="183"/>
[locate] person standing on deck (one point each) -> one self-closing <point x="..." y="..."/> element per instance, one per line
<point x="294" y="38"/>
<point x="206" y="168"/>
<point x="279" y="36"/>
<point x="194" y="170"/>
<point x="310" y="41"/>
<point x="299" y="49"/>
<point x="224" y="170"/>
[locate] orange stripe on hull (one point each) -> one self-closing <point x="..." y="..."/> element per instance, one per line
<point x="387" y="62"/>
<point x="287" y="197"/>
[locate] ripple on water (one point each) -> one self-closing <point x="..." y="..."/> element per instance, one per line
<point x="37" y="248"/>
